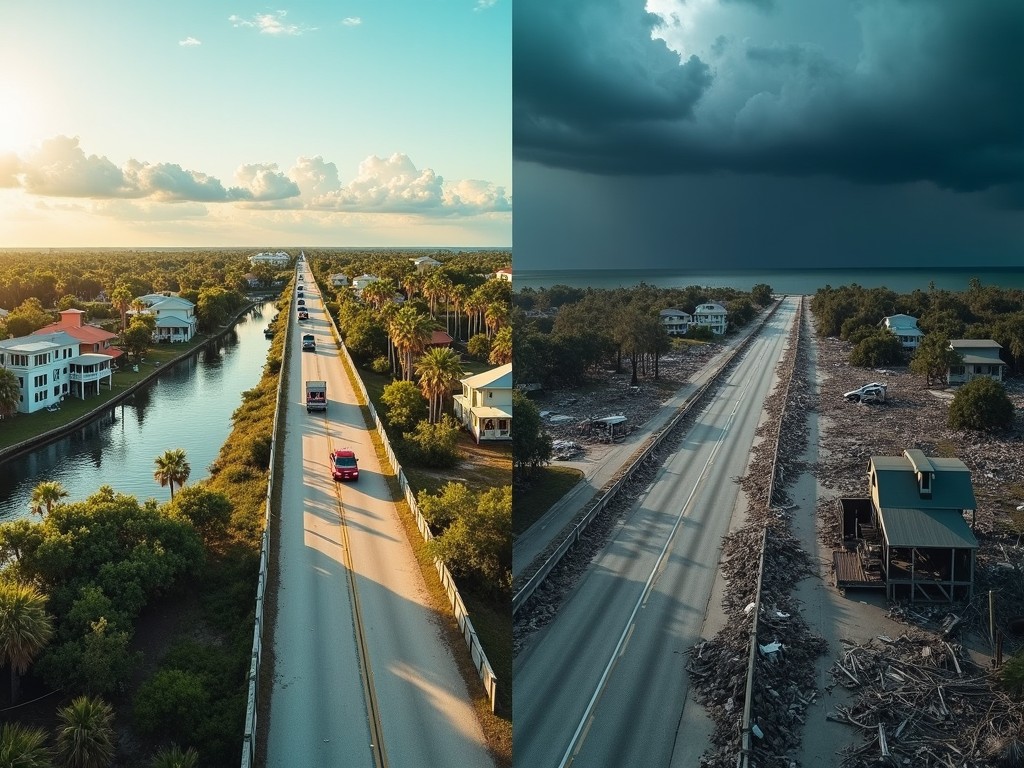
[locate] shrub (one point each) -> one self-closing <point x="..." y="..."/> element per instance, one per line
<point x="700" y="333"/>
<point x="258" y="452"/>
<point x="479" y="347"/>
<point x="171" y="705"/>
<point x="403" y="403"/>
<point x="435" y="445"/>
<point x="882" y="348"/>
<point x="981" y="405"/>
<point x="381" y="365"/>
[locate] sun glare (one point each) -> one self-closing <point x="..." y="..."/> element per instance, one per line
<point x="14" y="119"/>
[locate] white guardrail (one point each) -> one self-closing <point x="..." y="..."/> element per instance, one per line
<point x="523" y="594"/>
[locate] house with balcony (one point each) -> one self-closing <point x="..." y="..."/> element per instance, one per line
<point x="911" y="534"/>
<point x="485" y="405"/>
<point x="979" y="357"/>
<point x="712" y="315"/>
<point x="175" y="317"/>
<point x="675" y="321"/>
<point x="904" y="327"/>
<point x="91" y="338"/>
<point x="50" y="367"/>
<point x="505" y="273"/>
<point x="338" y="280"/>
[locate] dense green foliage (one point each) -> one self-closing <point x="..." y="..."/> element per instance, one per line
<point x="404" y="404"/>
<point x="434" y="445"/>
<point x="981" y="405"/>
<point x="475" y="539"/>
<point x="531" y="445"/>
<point x="570" y="332"/>
<point x="877" y="349"/>
<point x="933" y="358"/>
<point x="980" y="312"/>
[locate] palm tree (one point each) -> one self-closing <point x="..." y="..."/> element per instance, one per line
<point x="476" y="304"/>
<point x="46" y="494"/>
<point x="501" y="347"/>
<point x="411" y="282"/>
<point x="438" y="369"/>
<point x="495" y="316"/>
<point x="121" y="300"/>
<point x="25" y="628"/>
<point x="459" y="295"/>
<point x="378" y="292"/>
<point x="23" y="747"/>
<point x="410" y="331"/>
<point x="10" y="392"/>
<point x="85" y="733"/>
<point x="172" y="467"/>
<point x="173" y="757"/>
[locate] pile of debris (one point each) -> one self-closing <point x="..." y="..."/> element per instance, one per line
<point x="921" y="701"/>
<point x="571" y="416"/>
<point x="784" y="669"/>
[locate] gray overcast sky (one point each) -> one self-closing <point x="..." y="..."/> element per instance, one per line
<point x="768" y="133"/>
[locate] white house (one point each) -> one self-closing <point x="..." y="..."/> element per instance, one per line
<point x="49" y="366"/>
<point x="712" y="315"/>
<point x="175" y="317"/>
<point x="905" y="328"/>
<point x="505" y="273"/>
<point x="485" y="405"/>
<point x="423" y="263"/>
<point x="339" y="280"/>
<point x="363" y="281"/>
<point x="279" y="259"/>
<point x="675" y="321"/>
<point x="980" y="358"/>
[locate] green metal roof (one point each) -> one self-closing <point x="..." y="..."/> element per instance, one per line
<point x="898" y="486"/>
<point x="940" y="528"/>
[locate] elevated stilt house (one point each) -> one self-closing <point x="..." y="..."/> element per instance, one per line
<point x="912" y="535"/>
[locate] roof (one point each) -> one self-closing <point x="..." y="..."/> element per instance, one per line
<point x="975" y="344"/>
<point x="673" y="313"/>
<point x="172" y="321"/>
<point x="711" y="308"/>
<point x="940" y="528"/>
<point x="492" y="412"/>
<point x="496" y="378"/>
<point x="610" y="420"/>
<point x="42" y="343"/>
<point x="901" y="320"/>
<point x="169" y="302"/>
<point x="439" y="339"/>
<point x="90" y="359"/>
<point x="89" y="334"/>
<point x="898" y="486"/>
<point x="981" y="360"/>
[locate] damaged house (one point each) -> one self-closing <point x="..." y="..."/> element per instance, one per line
<point x="911" y="535"/>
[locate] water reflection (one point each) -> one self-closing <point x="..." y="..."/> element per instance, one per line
<point x="188" y="407"/>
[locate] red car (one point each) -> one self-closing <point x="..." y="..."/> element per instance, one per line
<point x="344" y="465"/>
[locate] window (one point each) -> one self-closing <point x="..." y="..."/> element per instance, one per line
<point x="39" y="381"/>
<point x="40" y="396"/>
<point x="56" y="391"/>
<point x="926" y="482"/>
<point x="56" y="373"/>
<point x="19" y="360"/>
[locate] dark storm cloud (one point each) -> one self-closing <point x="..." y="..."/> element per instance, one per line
<point x="934" y="95"/>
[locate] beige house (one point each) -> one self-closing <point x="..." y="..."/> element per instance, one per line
<point x="980" y="358"/>
<point x="485" y="405"/>
<point x="675" y="321"/>
<point x="712" y="315"/>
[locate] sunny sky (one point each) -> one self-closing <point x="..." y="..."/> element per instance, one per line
<point x="197" y="123"/>
<point x="718" y="134"/>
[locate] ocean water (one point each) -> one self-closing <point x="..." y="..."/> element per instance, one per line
<point x="791" y="281"/>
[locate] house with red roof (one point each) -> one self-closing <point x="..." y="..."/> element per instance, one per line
<point x="91" y="338"/>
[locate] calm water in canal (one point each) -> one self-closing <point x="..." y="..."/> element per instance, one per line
<point x="189" y="406"/>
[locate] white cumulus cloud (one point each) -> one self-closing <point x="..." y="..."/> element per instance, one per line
<point x="315" y="176"/>
<point x="264" y="181"/>
<point x="352" y="21"/>
<point x="189" y="42"/>
<point x="482" y="4"/>
<point x="269" y="24"/>
<point x="60" y="168"/>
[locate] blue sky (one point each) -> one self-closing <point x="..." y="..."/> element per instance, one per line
<point x="768" y="133"/>
<point x="220" y="123"/>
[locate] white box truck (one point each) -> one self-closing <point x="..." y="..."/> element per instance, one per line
<point x="316" y="396"/>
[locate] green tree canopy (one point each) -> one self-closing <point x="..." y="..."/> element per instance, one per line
<point x="85" y="733"/>
<point x="531" y="446"/>
<point x="882" y="348"/>
<point x="478" y="542"/>
<point x="404" y="404"/>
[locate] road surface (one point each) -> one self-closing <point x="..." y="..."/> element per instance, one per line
<point x="362" y="676"/>
<point x="604" y="683"/>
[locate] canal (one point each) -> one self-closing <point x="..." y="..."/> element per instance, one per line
<point x="189" y="406"/>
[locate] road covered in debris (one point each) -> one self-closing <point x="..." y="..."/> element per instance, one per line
<point x="603" y="682"/>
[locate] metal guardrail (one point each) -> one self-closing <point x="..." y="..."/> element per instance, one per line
<point x="476" y="650"/>
<point x="605" y="495"/>
<point x="744" y="756"/>
<point x="249" y="733"/>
